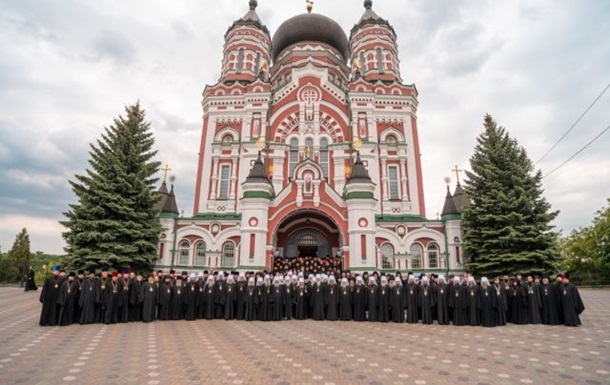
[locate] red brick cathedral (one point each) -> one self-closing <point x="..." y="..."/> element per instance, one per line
<point x="309" y="148"/>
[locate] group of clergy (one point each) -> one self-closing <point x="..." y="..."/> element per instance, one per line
<point x="120" y="297"/>
<point x="309" y="265"/>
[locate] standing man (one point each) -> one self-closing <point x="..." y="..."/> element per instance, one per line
<point x="29" y="280"/>
<point x="441" y="293"/>
<point x="549" y="295"/>
<point x="48" y="298"/>
<point x="571" y="303"/>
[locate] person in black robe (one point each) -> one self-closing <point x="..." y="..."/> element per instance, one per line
<point x="372" y="300"/>
<point x="79" y="281"/>
<point x="412" y="293"/>
<point x="441" y="294"/>
<point x="277" y="299"/>
<point x="571" y="303"/>
<point x="487" y="304"/>
<point x="178" y="301"/>
<point x="89" y="298"/>
<point x="290" y="286"/>
<point x="209" y="298"/>
<point x="473" y="304"/>
<point x="317" y="297"/>
<point x="331" y="299"/>
<point x="48" y="298"/>
<point x="240" y="301"/>
<point x="65" y="300"/>
<point x="219" y="299"/>
<point x="105" y="288"/>
<point x="135" y="307"/>
<point x="345" y="300"/>
<point x="110" y="300"/>
<point x="426" y="301"/>
<point x="506" y="285"/>
<point x="458" y="303"/>
<point x="30" y="283"/>
<point x="360" y="300"/>
<point x="265" y="300"/>
<point x="549" y="296"/>
<point x="124" y="292"/>
<point x="148" y="297"/>
<point x="230" y="298"/>
<point x="301" y="300"/>
<point x="250" y="300"/>
<point x="383" y="307"/>
<point x="501" y="303"/>
<point x="398" y="301"/>
<point x="164" y="300"/>
<point x="534" y="301"/>
<point x="191" y="299"/>
<point x="518" y="311"/>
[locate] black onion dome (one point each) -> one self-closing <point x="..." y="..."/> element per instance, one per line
<point x="310" y="27"/>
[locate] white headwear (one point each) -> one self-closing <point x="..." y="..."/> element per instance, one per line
<point x="359" y="279"/>
<point x="267" y="276"/>
<point x="424" y="279"/>
<point x="200" y="274"/>
<point x="210" y="279"/>
<point x="470" y="278"/>
<point x="242" y="274"/>
<point x="332" y="278"/>
<point x="344" y="281"/>
<point x="441" y="276"/>
<point x="301" y="280"/>
<point x="484" y="280"/>
<point x="310" y="277"/>
<point x="457" y="280"/>
<point x="384" y="279"/>
<point x="251" y="280"/>
<point x="230" y="278"/>
<point x="411" y="277"/>
<point x="192" y="276"/>
<point x="287" y="278"/>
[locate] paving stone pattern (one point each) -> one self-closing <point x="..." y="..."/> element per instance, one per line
<point x="300" y="352"/>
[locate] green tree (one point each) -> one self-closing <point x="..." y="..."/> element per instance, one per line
<point x="20" y="251"/>
<point x="507" y="226"/>
<point x="588" y="249"/>
<point x="114" y="223"/>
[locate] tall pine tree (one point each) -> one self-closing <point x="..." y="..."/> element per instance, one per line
<point x="20" y="250"/>
<point x="507" y="226"/>
<point x="113" y="223"/>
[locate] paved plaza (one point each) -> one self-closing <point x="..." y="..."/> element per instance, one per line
<point x="300" y="352"/>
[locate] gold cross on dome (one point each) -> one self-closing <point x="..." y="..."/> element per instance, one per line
<point x="457" y="172"/>
<point x="165" y="170"/>
<point x="309" y="5"/>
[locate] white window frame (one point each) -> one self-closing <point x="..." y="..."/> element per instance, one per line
<point x="393" y="183"/>
<point x="224" y="182"/>
<point x="184" y="252"/>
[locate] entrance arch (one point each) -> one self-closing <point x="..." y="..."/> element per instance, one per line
<point x="307" y="233"/>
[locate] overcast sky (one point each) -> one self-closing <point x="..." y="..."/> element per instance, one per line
<point x="68" y="67"/>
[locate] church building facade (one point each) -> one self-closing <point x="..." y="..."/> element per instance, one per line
<point x="309" y="147"/>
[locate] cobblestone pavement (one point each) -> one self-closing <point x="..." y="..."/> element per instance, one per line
<point x="299" y="352"/>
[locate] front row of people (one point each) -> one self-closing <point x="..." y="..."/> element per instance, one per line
<point x="126" y="297"/>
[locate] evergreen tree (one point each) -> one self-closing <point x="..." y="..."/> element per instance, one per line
<point x="507" y="226"/>
<point x="114" y="223"/>
<point x="20" y="250"/>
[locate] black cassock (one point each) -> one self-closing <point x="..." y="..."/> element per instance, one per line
<point x="66" y="301"/>
<point x="384" y="303"/>
<point x="345" y="303"/>
<point x="549" y="296"/>
<point x="360" y="300"/>
<point x="501" y="305"/>
<point x="459" y="305"/>
<point x="124" y="292"/>
<point x="135" y="307"/>
<point x="148" y="298"/>
<point x="265" y="303"/>
<point x="30" y="283"/>
<point x="230" y="300"/>
<point x="412" y="292"/>
<point x="398" y="302"/>
<point x="165" y="298"/>
<point x="571" y="305"/>
<point x="534" y="303"/>
<point x="48" y="298"/>
<point x="488" y="304"/>
<point x="518" y="305"/>
<point x="506" y="292"/>
<point x="289" y="301"/>
<point x="240" y="300"/>
<point x="209" y="301"/>
<point x="317" y="301"/>
<point x="372" y="302"/>
<point x="474" y="306"/>
<point x="331" y="301"/>
<point x="250" y="302"/>
<point x="301" y="302"/>
<point x="441" y="293"/>
<point x="277" y="302"/>
<point x="88" y="300"/>
<point x="191" y="301"/>
<point x="219" y="299"/>
<point x="426" y="303"/>
<point x="79" y="291"/>
<point x="178" y="301"/>
<point x="110" y="302"/>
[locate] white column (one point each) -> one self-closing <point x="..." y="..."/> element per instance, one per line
<point x="384" y="179"/>
<point x="233" y="179"/>
<point x="403" y="179"/>
<point x="214" y="178"/>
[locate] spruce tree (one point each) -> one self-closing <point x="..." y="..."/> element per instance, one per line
<point x="507" y="226"/>
<point x="20" y="251"/>
<point x="114" y="224"/>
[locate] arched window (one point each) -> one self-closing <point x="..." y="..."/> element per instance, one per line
<point x="324" y="157"/>
<point x="432" y="256"/>
<point x="394" y="187"/>
<point x="228" y="255"/>
<point x="183" y="252"/>
<point x="200" y="253"/>
<point x="387" y="256"/>
<point x="416" y="255"/>
<point x="294" y="155"/>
